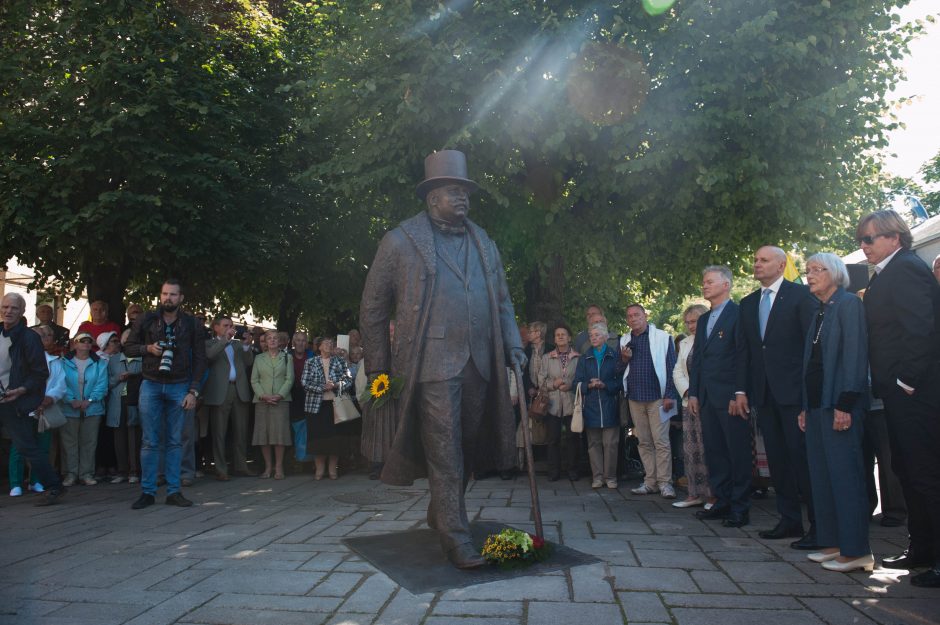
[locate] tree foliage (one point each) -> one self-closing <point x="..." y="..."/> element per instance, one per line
<point x="262" y="157"/>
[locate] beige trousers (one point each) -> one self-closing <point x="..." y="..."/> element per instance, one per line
<point x="653" y="437"/>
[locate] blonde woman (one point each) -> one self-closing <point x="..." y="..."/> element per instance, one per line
<point x="696" y="472"/>
<point x="272" y="377"/>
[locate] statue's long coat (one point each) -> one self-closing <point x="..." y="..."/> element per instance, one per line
<point x="399" y="286"/>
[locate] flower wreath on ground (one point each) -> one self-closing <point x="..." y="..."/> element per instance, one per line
<point x="512" y="548"/>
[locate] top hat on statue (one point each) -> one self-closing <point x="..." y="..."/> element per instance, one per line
<point x="442" y="168"/>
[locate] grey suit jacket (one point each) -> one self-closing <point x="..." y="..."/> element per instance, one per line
<point x="217" y="383"/>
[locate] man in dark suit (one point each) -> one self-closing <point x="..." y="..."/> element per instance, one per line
<point x="726" y="436"/>
<point x="902" y="304"/>
<point x="773" y="325"/>
<point x="455" y="334"/>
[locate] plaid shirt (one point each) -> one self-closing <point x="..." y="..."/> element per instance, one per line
<point x="643" y="381"/>
<point x="313" y="380"/>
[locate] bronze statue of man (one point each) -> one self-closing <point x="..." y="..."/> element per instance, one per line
<point x="440" y="277"/>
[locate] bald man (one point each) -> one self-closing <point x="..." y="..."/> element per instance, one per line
<point x="773" y="324"/>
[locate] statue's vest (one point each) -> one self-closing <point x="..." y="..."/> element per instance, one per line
<point x="459" y="325"/>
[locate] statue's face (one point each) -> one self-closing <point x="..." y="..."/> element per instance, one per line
<point x="449" y="203"/>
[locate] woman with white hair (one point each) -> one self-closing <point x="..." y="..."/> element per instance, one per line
<point x="835" y="384"/>
<point x="598" y="374"/>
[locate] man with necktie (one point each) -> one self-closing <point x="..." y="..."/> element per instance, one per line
<point x="773" y="324"/>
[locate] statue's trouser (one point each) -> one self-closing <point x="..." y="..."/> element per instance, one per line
<point x="450" y="414"/>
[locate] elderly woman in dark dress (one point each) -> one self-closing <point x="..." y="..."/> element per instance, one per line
<point x="324" y="377"/>
<point x="835" y="374"/>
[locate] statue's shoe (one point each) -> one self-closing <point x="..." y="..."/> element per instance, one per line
<point x="465" y="557"/>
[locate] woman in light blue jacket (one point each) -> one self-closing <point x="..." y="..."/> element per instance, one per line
<point x="86" y="387"/>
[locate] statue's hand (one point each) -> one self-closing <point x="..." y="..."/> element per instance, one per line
<point x="517" y="357"/>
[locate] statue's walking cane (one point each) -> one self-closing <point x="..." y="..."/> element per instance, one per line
<point x="527" y="439"/>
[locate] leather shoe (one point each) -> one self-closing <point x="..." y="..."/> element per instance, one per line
<point x="144" y="501"/>
<point x="465" y="557"/>
<point x="807" y="543"/>
<point x="737" y="520"/>
<point x="865" y="563"/>
<point x="907" y="560"/>
<point x="783" y="530"/>
<point x="222" y="477"/>
<point x="177" y="499"/>
<point x="928" y="579"/>
<point x="52" y="496"/>
<point x="714" y="513"/>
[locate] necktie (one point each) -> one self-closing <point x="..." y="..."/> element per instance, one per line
<point x="763" y="312"/>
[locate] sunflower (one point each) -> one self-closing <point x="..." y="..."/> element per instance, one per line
<point x="380" y="385"/>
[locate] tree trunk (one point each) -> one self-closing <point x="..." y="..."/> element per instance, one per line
<point x="107" y="283"/>
<point x="288" y="311"/>
<point x="545" y="293"/>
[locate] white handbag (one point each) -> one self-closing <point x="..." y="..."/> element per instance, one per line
<point x="577" y="417"/>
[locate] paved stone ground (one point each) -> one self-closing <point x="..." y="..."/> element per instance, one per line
<point x="263" y="551"/>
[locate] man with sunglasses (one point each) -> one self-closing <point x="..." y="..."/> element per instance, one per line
<point x="902" y="305"/>
<point x="23" y="374"/>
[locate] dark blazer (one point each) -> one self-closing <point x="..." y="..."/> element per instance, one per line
<point x="714" y="360"/>
<point x="902" y="305"/>
<point x="776" y="360"/>
<point x="28" y="367"/>
<point x="844" y="351"/>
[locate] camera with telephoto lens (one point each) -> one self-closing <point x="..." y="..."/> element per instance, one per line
<point x="166" y="358"/>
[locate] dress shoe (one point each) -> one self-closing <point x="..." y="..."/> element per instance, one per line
<point x="865" y="563"/>
<point x="177" y="499"/>
<point x="465" y="557"/>
<point x="808" y="542"/>
<point x="782" y="530"/>
<point x="820" y="556"/>
<point x="713" y="513"/>
<point x="144" y="501"/>
<point x="222" y="477"/>
<point x="907" y="560"/>
<point x="928" y="579"/>
<point x="52" y="496"/>
<point x="737" y="521"/>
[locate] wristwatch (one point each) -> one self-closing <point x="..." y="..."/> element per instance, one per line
<point x="194" y="393"/>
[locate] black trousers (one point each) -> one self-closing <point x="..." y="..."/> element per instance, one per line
<point x="876" y="444"/>
<point x="914" y="431"/>
<point x="449" y="414"/>
<point x="562" y="447"/>
<point x="22" y="430"/>
<point x="727" y="442"/>
<point x="786" y="456"/>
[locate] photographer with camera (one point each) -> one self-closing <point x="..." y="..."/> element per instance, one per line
<point x="174" y="360"/>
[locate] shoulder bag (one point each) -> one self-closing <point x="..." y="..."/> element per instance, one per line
<point x="577" y="417"/>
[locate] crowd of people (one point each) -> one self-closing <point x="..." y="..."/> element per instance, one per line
<point x="813" y="382"/>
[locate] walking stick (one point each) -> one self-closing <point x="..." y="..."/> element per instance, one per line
<point x="527" y="439"/>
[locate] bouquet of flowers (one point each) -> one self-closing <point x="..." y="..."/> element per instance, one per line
<point x="382" y="389"/>
<point x="512" y="548"/>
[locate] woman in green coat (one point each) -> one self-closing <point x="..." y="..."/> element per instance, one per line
<point x="271" y="379"/>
